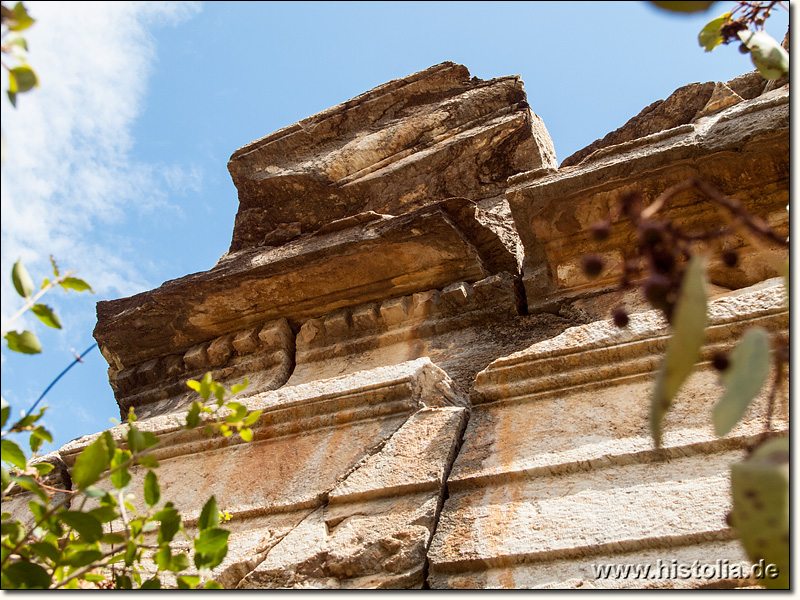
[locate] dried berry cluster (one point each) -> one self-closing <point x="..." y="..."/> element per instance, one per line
<point x="657" y="260"/>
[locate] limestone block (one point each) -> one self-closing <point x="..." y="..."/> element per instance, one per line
<point x="440" y="324"/>
<point x="558" y="467"/>
<point x="340" y="486"/>
<point x="741" y="150"/>
<point x="426" y="137"/>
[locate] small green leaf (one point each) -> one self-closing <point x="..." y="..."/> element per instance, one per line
<point x="104" y="514"/>
<point x="46" y="550"/>
<point x="24" y="79"/>
<point x="151" y="584"/>
<point x="683" y="7"/>
<point x="41" y="432"/>
<point x="20" y="19"/>
<point x="212" y="585"/>
<point x="86" y="524"/>
<point x="112" y="538"/>
<point x="246" y="433"/>
<point x="240" y="386"/>
<point x="95" y="492"/>
<point x="82" y="558"/>
<point x="28" y="483"/>
<point x="94" y="577"/>
<point x="209" y="516"/>
<point x="193" y="416"/>
<point x="46" y="315"/>
<point x="252" y="417"/>
<point x="25" y="342"/>
<point x="152" y="491"/>
<point x="170" y="521"/>
<point x="12" y="454"/>
<point x="22" y="280"/>
<point x="135" y="439"/>
<point x="188" y="582"/>
<point x="239" y="412"/>
<point x="120" y="478"/>
<point x="43" y="468"/>
<point x="148" y="460"/>
<point x="219" y="391"/>
<point x="211" y="541"/>
<point x="123" y="582"/>
<point x="683" y="348"/>
<point x="710" y="36"/>
<point x="23" y="574"/>
<point x="73" y="283"/>
<point x="769" y="57"/>
<point x="747" y="370"/>
<point x="178" y="563"/>
<point x="90" y="464"/>
<point x="5" y="411"/>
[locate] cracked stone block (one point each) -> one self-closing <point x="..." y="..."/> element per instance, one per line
<point x="534" y="487"/>
<point x="368" y="452"/>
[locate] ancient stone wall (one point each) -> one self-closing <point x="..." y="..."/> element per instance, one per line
<point x="445" y="401"/>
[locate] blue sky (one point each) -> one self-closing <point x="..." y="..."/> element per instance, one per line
<point x="117" y="162"/>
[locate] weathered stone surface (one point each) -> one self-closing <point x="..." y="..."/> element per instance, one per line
<point x="203" y="317"/>
<point x="340" y="487"/>
<point x="557" y="465"/>
<point x="741" y="150"/>
<point x="429" y="136"/>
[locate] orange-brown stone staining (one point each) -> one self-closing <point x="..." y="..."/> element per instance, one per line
<point x="446" y="403"/>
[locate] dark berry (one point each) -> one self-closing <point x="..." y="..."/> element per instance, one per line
<point x="656" y="289"/>
<point x="592" y="265"/>
<point x="650" y="234"/>
<point x="720" y="361"/>
<point x="600" y="231"/>
<point x="620" y="318"/>
<point x="730" y="258"/>
<point x="663" y="262"/>
<point x="743" y="49"/>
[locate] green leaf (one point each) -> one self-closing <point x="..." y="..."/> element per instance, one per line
<point x="212" y="585"/>
<point x="5" y="478"/>
<point x="123" y="582"/>
<point x="178" y="563"/>
<point x="151" y="584"/>
<point x="42" y="433"/>
<point x="120" y="478"/>
<point x="22" y="280"/>
<point x="683" y="348"/>
<point x="252" y="417"/>
<point x="24" y="343"/>
<point x="46" y="315"/>
<point x="193" y="416"/>
<point x="43" y="468"/>
<point x="22" y="79"/>
<point x="683" y="7"/>
<point x="104" y="514"/>
<point x="162" y="557"/>
<point x="211" y="541"/>
<point x="86" y="524"/>
<point x="28" y="483"/>
<point x="5" y="411"/>
<point x="246" y="433"/>
<point x="170" y="521"/>
<point x="148" y="460"/>
<point x="769" y="57"/>
<point x="82" y="558"/>
<point x="12" y="97"/>
<point x="94" y="577"/>
<point x="761" y="508"/>
<point x="240" y="386"/>
<point x="152" y="491"/>
<point x="20" y="19"/>
<point x="12" y="454"/>
<point x="135" y="439"/>
<point x="187" y="582"/>
<point x="747" y="370"/>
<point x="73" y="283"/>
<point x="710" y="36"/>
<point x="219" y="391"/>
<point x="90" y="464"/>
<point x="239" y="412"/>
<point x="27" y="575"/>
<point x="95" y="492"/>
<point x="112" y="538"/>
<point x="209" y="516"/>
<point x="46" y="550"/>
<point x="131" y="550"/>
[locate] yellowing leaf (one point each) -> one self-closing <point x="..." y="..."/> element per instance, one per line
<point x="46" y="315"/>
<point x="22" y="280"/>
<point x="683" y="348"/>
<point x="710" y="36"/>
<point x="25" y="342"/>
<point x="744" y="377"/>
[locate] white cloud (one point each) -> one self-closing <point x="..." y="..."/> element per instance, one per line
<point x="68" y="173"/>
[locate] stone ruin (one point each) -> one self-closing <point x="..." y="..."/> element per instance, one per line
<point x="446" y="401"/>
